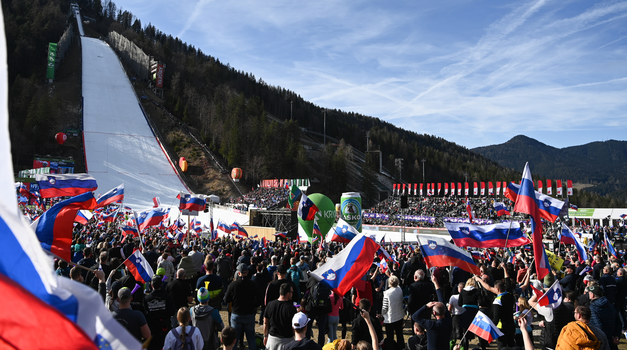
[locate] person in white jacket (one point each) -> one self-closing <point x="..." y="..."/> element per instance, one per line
<point x="393" y="313"/>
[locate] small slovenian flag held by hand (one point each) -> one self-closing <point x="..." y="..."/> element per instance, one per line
<point x="307" y="209"/>
<point x="139" y="267"/>
<point x="484" y="328"/>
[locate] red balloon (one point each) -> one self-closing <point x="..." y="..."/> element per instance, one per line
<point x="60" y="137"/>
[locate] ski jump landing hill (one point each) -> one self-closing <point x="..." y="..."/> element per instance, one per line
<point x="120" y="146"/>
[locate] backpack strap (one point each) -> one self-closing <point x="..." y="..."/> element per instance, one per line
<point x="176" y="334"/>
<point x="590" y="335"/>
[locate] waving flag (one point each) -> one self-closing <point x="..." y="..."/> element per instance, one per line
<point x="316" y="230"/>
<point x="307" y="209"/>
<point x="150" y="218"/>
<point x="114" y="195"/>
<point x="128" y="230"/>
<point x="281" y="234"/>
<point x="552" y="298"/>
<point x="484" y="328"/>
<point x="56" y="185"/>
<point x="609" y="246"/>
<point x="139" y="267"/>
<point x="54" y="227"/>
<point x="343" y="232"/>
<point x="501" y="209"/>
<point x="341" y="272"/>
<point x="469" y="209"/>
<point x="224" y="227"/>
<point x="83" y="216"/>
<point x="439" y="252"/>
<point x="294" y="193"/>
<point x="192" y="203"/>
<point x="526" y="203"/>
<point x="487" y="236"/>
<point x="568" y="237"/>
<point x="238" y="229"/>
<point x="550" y="208"/>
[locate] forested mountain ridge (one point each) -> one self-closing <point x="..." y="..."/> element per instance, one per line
<point x="229" y="109"/>
<point x="600" y="164"/>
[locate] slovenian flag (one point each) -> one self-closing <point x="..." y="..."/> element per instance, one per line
<point x="526" y="203"/>
<point x="224" y="227"/>
<point x="501" y="209"/>
<point x="307" y="209"/>
<point x="114" y="195"/>
<point x="487" y="236"/>
<point x="192" y="203"/>
<point x="484" y="328"/>
<point x="342" y="271"/>
<point x="549" y="207"/>
<point x="67" y="185"/>
<point x="139" y="267"/>
<point x="54" y="227"/>
<point x="568" y="237"/>
<point x="609" y="246"/>
<point x="343" y="232"/>
<point x="150" y="218"/>
<point x="439" y="252"/>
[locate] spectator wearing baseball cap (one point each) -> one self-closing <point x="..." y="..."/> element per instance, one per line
<point x="133" y="321"/>
<point x="301" y="342"/>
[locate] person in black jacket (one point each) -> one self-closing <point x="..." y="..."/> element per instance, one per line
<point x="420" y="292"/>
<point x="360" y="326"/>
<point x="503" y="315"/>
<point x="245" y="297"/>
<point x="569" y="281"/>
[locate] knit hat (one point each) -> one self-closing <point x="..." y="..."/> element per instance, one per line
<point x="203" y="295"/>
<point x="160" y="271"/>
<point x="596" y="290"/>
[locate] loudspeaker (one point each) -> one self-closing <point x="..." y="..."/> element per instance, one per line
<point x="404" y="202"/>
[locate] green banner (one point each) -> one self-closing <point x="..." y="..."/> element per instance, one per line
<point x="588" y="213"/>
<point x="52" y="58"/>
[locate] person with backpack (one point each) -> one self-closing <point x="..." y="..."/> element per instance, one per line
<point x="184" y="336"/>
<point x="318" y="305"/>
<point x="296" y="275"/>
<point x="207" y="319"/>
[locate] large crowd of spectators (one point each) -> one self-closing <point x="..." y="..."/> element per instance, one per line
<point x="262" y="197"/>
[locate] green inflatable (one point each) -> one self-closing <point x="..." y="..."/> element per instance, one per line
<point x="326" y="216"/>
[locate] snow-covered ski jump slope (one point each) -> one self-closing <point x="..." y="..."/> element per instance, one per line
<point x="119" y="145"/>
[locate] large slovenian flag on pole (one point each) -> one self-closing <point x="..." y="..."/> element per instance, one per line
<point x="526" y="203"/>
<point x="568" y="237"/>
<point x="64" y="314"/>
<point x="550" y="208"/>
<point x="150" y="218"/>
<point x="192" y="203"/>
<point x="67" y="185"/>
<point x="54" y="227"/>
<point x="342" y="233"/>
<point x="341" y="272"/>
<point x="484" y="328"/>
<point x="139" y="267"/>
<point x="114" y="195"/>
<point x="439" y="252"/>
<point x="487" y="236"/>
<point x="307" y="209"/>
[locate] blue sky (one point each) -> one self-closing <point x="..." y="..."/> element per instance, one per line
<point x="473" y="72"/>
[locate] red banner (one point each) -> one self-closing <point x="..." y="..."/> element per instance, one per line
<point x="421" y="189"/>
<point x="490" y="188"/>
<point x="415" y="187"/>
<point x="475" y="189"/>
<point x="446" y="188"/>
<point x="549" y="188"/>
<point x="540" y="186"/>
<point x="160" y="76"/>
<point x="439" y="187"/>
<point x="569" y="187"/>
<point x="483" y="188"/>
<point x="466" y="189"/>
<point x="559" y="187"/>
